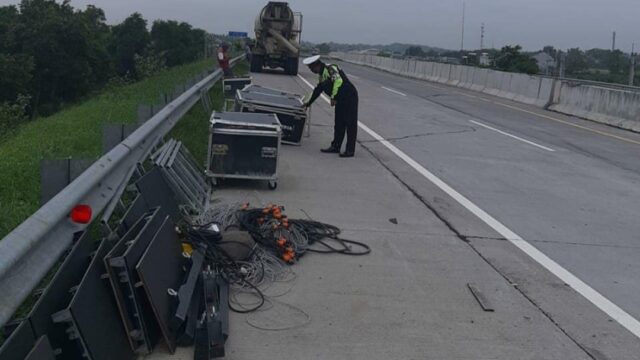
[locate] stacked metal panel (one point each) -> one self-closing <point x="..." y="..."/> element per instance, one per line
<point x="183" y="174"/>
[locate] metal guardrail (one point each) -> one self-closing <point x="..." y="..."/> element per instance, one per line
<point x="33" y="248"/>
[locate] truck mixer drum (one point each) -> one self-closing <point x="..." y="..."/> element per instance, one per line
<point x="278" y="31"/>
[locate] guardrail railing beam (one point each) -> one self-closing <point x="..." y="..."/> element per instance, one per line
<point x="31" y="249"/>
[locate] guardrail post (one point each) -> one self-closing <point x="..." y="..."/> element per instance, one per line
<point x="113" y="134"/>
<point x="143" y="113"/>
<point x="56" y="174"/>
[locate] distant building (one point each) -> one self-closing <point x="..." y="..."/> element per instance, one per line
<point x="484" y="60"/>
<point x="449" y="60"/>
<point x="370" y="52"/>
<point x="546" y="63"/>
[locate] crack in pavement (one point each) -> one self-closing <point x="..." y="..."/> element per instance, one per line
<point x="558" y="242"/>
<point x="466" y="239"/>
<point x="471" y="129"/>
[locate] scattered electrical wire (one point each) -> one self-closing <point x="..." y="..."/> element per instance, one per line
<point x="279" y="243"/>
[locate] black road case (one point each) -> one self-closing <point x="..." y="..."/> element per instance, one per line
<point x="244" y="146"/>
<point x="229" y="88"/>
<point x="289" y="107"/>
<point x="231" y="85"/>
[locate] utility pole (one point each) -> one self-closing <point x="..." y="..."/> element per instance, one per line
<point x="632" y="70"/>
<point x="613" y="43"/>
<point x="560" y="62"/>
<point x="482" y="37"/>
<point x="464" y="9"/>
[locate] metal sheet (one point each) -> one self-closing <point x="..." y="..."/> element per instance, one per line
<point x="187" y="290"/>
<point x="137" y="208"/>
<point x="484" y="303"/>
<point x="41" y="350"/>
<point x="156" y="192"/>
<point x="95" y="313"/>
<point x="161" y="269"/>
<point x="129" y="320"/>
<point x="58" y="294"/>
<point x="188" y="333"/>
<point x="19" y="343"/>
<point x="134" y="296"/>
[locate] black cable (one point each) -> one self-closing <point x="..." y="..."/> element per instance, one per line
<point x="246" y="311"/>
<point x="346" y="251"/>
<point x="321" y="238"/>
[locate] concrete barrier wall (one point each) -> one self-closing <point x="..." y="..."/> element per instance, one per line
<point x="492" y="86"/>
<point x="445" y="71"/>
<point x="479" y="79"/>
<point x="504" y="87"/>
<point x="525" y="88"/>
<point x="432" y="71"/>
<point x="610" y="106"/>
<point x="456" y="75"/>
<point x="467" y="77"/>
<point x="614" y="107"/>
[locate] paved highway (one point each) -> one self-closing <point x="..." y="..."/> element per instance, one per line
<point x="517" y="201"/>
<point x="568" y="187"/>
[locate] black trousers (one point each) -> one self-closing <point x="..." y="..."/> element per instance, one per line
<point x="346" y="120"/>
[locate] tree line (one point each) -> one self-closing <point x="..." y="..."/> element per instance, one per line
<point x="52" y="54"/>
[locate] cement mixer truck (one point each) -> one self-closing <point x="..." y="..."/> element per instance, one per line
<point x="277" y="45"/>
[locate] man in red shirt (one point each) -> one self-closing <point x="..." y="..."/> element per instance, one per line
<point x="223" y="60"/>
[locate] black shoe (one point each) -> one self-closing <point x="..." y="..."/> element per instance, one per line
<point x="347" y="154"/>
<point x="331" y="150"/>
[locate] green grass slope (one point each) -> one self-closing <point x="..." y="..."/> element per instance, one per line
<point x="76" y="132"/>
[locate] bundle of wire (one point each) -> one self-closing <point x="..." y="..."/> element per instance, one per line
<point x="251" y="275"/>
<point x="280" y="241"/>
<point x="223" y="214"/>
<point x="290" y="239"/>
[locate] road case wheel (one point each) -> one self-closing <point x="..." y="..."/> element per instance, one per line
<point x="273" y="185"/>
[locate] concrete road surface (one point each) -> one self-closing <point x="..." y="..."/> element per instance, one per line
<point x="566" y="186"/>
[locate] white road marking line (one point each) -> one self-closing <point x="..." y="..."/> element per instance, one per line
<point x="394" y="91"/>
<point x="511" y="136"/>
<point x="607" y="306"/>
<point x="313" y="87"/>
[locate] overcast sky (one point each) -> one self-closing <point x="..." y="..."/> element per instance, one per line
<point x="531" y="23"/>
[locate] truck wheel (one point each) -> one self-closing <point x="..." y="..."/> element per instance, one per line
<point x="256" y="63"/>
<point x="291" y="67"/>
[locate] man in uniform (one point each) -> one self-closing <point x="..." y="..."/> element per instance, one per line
<point x="344" y="96"/>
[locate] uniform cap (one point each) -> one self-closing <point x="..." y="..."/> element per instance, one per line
<point x="311" y="60"/>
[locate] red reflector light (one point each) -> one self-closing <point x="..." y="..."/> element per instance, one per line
<point x="81" y="214"/>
